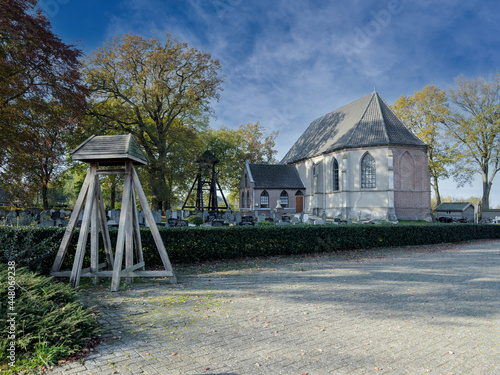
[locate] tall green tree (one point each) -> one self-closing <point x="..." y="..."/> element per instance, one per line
<point x="233" y="146"/>
<point x="42" y="98"/>
<point x="425" y="113"/>
<point x="148" y="87"/>
<point x="475" y="125"/>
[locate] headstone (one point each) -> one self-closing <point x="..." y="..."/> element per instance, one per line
<point x="277" y="217"/>
<point x="286" y="218"/>
<point x="171" y="222"/>
<point x="25" y="218"/>
<point x="46" y="219"/>
<point x="205" y="216"/>
<point x="237" y="217"/>
<point x="305" y="218"/>
<point x="246" y="220"/>
<point x="141" y="217"/>
<point x="218" y="223"/>
<point x="319" y="222"/>
<point x="323" y="217"/>
<point x="180" y="214"/>
<point x="174" y="215"/>
<point x="281" y="223"/>
<point x="55" y="215"/>
<point x="231" y="218"/>
<point x="157" y="217"/>
<point x="168" y="214"/>
<point x="261" y="217"/>
<point x="112" y="224"/>
<point x="295" y="220"/>
<point x="181" y="223"/>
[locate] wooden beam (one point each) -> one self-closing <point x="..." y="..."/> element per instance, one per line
<point x="82" y="239"/>
<point x="152" y="225"/>
<point x="129" y="239"/>
<point x="110" y="171"/>
<point x="124" y="216"/>
<point x="94" y="234"/>
<point x="70" y="228"/>
<point x="137" y="233"/>
<point x="127" y="270"/>
<point x="104" y="227"/>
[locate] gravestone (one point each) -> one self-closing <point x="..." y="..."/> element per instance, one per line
<point x="157" y="217"/>
<point x="323" y="217"/>
<point x="170" y="222"/>
<point x="25" y="218"/>
<point x="174" y="215"/>
<point x="261" y="217"/>
<point x="46" y="219"/>
<point x="231" y="218"/>
<point x="168" y="215"/>
<point x="237" y="217"/>
<point x="305" y="218"/>
<point x="218" y="223"/>
<point x="282" y="223"/>
<point x="246" y="220"/>
<point x="181" y="223"/>
<point x="295" y="220"/>
<point x="141" y="217"/>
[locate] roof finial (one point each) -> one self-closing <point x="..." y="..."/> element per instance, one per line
<point x="374" y="89"/>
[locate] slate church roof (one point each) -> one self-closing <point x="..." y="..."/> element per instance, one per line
<point x="275" y="176"/>
<point x="109" y="150"/>
<point x="368" y="121"/>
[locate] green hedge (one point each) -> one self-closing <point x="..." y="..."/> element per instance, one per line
<point x="36" y="247"/>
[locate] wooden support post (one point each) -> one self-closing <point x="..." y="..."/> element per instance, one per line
<point x="129" y="239"/>
<point x="84" y="230"/>
<point x="104" y="227"/>
<point x="152" y="225"/>
<point x="94" y="236"/>
<point x="71" y="224"/>
<point x="115" y="282"/>
<point x="137" y="233"/>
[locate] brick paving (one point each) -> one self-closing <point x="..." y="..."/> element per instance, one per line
<point x="433" y="309"/>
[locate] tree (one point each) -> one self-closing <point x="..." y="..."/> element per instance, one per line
<point x="41" y="97"/>
<point x="475" y="125"/>
<point x="147" y="88"/>
<point x="425" y="114"/>
<point x="233" y="146"/>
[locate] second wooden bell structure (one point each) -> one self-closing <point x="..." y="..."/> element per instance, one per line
<point x="122" y="152"/>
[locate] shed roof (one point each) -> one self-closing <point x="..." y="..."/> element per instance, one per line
<point x="110" y="150"/>
<point x="453" y="206"/>
<point x="275" y="176"/>
<point x="368" y="121"/>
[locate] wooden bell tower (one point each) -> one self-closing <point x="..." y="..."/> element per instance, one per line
<point x="206" y="181"/>
<point x="116" y="151"/>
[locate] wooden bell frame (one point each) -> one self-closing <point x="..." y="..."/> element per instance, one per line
<point x="128" y="238"/>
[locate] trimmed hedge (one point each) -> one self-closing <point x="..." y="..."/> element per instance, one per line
<point x="36" y="248"/>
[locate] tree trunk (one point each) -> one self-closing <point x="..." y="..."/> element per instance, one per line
<point x="45" y="200"/>
<point x="436" y="191"/>
<point x="485" y="201"/>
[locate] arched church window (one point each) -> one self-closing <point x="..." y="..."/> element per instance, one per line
<point x="284" y="199"/>
<point x="368" y="172"/>
<point x="264" y="199"/>
<point x="336" y="185"/>
<point x="248" y="199"/>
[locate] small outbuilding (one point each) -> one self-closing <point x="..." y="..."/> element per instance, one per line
<point x="455" y="211"/>
<point x="262" y="186"/>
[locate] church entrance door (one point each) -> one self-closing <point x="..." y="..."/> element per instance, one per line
<point x="299" y="204"/>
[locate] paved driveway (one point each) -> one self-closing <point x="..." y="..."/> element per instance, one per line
<point x="434" y="309"/>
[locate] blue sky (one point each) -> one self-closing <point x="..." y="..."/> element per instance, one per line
<point x="288" y="62"/>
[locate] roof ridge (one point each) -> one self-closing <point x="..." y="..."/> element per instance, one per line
<point x="354" y="128"/>
<point x="384" y="127"/>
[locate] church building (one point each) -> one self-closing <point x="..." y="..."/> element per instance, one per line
<point x="357" y="162"/>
